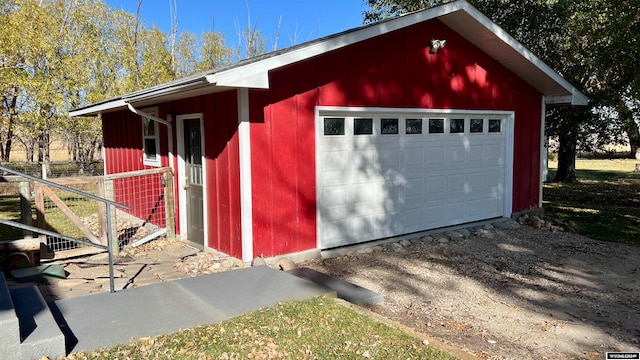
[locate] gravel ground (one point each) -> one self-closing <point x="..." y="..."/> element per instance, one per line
<point x="522" y="293"/>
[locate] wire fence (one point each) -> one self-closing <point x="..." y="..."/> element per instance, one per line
<point x="76" y="217"/>
<point x="149" y="194"/>
<point x="54" y="170"/>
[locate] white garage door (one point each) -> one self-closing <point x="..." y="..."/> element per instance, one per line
<point x="384" y="173"/>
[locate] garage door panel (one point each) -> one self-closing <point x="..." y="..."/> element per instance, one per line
<point x="365" y="163"/>
<point x="362" y="193"/>
<point x="389" y="160"/>
<point x="455" y="184"/>
<point x="374" y="186"/>
<point x="334" y="196"/>
<point x="413" y="159"/>
<point x="414" y="191"/>
<point x="334" y="161"/>
<point x="364" y="226"/>
<point x="436" y="185"/>
<point x="456" y="154"/>
<point x="435" y="215"/>
<point x="334" y="232"/>
<point x="494" y="153"/>
<point x="474" y="183"/>
<point x="476" y="153"/>
<point x="435" y="155"/>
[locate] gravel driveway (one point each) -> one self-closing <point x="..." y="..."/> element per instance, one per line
<point x="521" y="293"/>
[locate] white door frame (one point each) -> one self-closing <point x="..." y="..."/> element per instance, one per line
<point x="182" y="193"/>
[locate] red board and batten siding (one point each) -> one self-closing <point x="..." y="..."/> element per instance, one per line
<point x="394" y="70"/>
<point x="123" y="152"/>
<point x="122" y="132"/>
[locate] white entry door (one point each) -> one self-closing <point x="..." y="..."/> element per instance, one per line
<point x="384" y="173"/>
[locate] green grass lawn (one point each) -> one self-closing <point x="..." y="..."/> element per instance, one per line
<point x="604" y="204"/>
<point x="318" y="328"/>
<point x="10" y="210"/>
<point x="55" y="219"/>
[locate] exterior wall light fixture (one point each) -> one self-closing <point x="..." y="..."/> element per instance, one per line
<point x="437" y="45"/>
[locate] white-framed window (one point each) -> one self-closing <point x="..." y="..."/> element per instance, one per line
<point x="150" y="140"/>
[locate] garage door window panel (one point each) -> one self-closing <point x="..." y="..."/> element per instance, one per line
<point x="414" y="126"/>
<point x="389" y="126"/>
<point x="456" y="126"/>
<point x="436" y="126"/>
<point x="476" y="126"/>
<point x="363" y="126"/>
<point x="495" y="126"/>
<point x="334" y="126"/>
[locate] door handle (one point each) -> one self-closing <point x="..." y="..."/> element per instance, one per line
<point x="186" y="183"/>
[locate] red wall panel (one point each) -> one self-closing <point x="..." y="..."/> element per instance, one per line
<point x="392" y="70"/>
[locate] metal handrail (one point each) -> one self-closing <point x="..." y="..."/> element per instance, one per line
<point x="38" y="230"/>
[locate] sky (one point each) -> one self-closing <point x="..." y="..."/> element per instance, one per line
<point x="302" y="20"/>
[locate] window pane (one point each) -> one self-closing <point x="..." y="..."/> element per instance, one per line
<point x="149" y="127"/>
<point x="456" y="126"/>
<point x="494" y="125"/>
<point x="334" y="126"/>
<point x="414" y="126"/>
<point x="150" y="149"/>
<point x="389" y="126"/>
<point x="436" y="126"/>
<point x="477" y="125"/>
<point x="363" y="126"/>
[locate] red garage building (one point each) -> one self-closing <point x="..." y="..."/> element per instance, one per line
<point x="371" y="133"/>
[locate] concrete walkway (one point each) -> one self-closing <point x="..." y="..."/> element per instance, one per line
<point x="106" y="319"/>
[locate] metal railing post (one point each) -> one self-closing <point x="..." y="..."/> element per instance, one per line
<point x="110" y="249"/>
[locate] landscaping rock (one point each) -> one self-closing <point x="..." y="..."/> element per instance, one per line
<point x="258" y="261"/>
<point x="287" y="264"/>
<point x="507" y="225"/>
<point x="464" y="232"/>
<point x="366" y="250"/>
<point x="405" y="243"/>
<point x="454" y="235"/>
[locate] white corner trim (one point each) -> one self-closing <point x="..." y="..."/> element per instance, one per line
<point x="205" y="185"/>
<point x="182" y="194"/>
<point x="508" y="164"/>
<point x="246" y="195"/>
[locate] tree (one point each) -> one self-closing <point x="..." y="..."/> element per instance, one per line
<point x="213" y="52"/>
<point x="251" y="42"/>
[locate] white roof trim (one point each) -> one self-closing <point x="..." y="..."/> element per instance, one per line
<point x="98" y="108"/>
<point x="460" y="16"/>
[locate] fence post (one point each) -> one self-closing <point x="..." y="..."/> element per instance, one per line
<point x="25" y="207"/>
<point x="102" y="212"/>
<point x="169" y="205"/>
<point x="109" y="194"/>
<point x="40" y="220"/>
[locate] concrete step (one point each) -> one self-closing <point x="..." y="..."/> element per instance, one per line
<point x="345" y="290"/>
<point x="9" y="324"/>
<point x="39" y="331"/>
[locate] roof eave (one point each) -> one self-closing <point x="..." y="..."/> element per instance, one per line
<point x="96" y="109"/>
